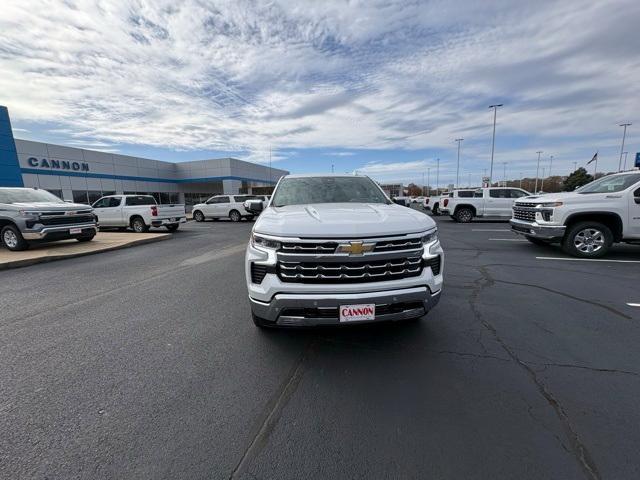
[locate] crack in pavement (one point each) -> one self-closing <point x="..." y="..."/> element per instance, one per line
<point x="566" y="295"/>
<point x="585" y="367"/>
<point x="272" y="412"/>
<point x="578" y="448"/>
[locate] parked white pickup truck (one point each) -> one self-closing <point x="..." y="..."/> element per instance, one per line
<point x="587" y="221"/>
<point x="491" y="202"/>
<point x="139" y="212"/>
<point x="334" y="249"/>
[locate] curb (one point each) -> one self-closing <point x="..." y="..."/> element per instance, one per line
<point x="53" y="258"/>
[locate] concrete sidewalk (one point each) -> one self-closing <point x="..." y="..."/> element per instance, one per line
<point x="103" y="242"/>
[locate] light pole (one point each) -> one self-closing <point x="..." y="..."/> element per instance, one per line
<point x="493" y="139"/>
<point x="624" y="134"/>
<point x="542" y="184"/>
<point x="459" y="140"/>
<point x="504" y="174"/>
<point x="423" y="184"/>
<point x="550" y="167"/>
<point x="625" y="161"/>
<point x="537" y="171"/>
<point x="428" y="181"/>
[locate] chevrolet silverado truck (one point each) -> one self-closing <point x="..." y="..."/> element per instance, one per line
<point x="335" y="249"/>
<point x="29" y="215"/>
<point x="138" y="212"/>
<point x="489" y="202"/>
<point x="585" y="222"/>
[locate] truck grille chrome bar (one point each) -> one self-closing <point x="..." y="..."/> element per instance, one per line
<point x="524" y="213"/>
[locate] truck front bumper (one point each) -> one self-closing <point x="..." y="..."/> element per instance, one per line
<point x="60" y="232"/>
<point x="322" y="309"/>
<point x="534" y="229"/>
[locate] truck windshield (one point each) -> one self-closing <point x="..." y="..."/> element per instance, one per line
<point x="610" y="183"/>
<point x="303" y="190"/>
<point x="26" y="195"/>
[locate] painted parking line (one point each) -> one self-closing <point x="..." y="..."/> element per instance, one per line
<point x="634" y="304"/>
<point x="507" y="240"/>
<point x="587" y="260"/>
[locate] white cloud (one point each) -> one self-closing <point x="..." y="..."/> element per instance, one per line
<point x="241" y="76"/>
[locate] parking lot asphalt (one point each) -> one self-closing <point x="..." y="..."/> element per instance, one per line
<point x="144" y="363"/>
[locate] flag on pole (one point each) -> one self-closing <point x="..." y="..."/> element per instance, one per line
<point x="595" y="158"/>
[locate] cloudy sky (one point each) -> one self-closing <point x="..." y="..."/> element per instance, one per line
<point x="382" y="87"/>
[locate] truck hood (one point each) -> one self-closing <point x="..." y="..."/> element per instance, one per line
<point x="568" y="197"/>
<point x="341" y="220"/>
<point x="49" y="206"/>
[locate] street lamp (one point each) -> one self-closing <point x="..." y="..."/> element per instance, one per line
<point x="542" y="184"/>
<point x="550" y="166"/>
<point x="459" y="140"/>
<point x="624" y="134"/>
<point x="493" y="140"/>
<point x="537" y="171"/>
<point x="625" y="161"/>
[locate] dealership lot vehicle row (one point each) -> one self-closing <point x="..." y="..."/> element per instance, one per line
<point x="519" y="372"/>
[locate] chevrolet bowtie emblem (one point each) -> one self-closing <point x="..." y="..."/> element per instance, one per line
<point x="355" y="248"/>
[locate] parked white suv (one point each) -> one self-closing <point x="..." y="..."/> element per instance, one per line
<point x="334" y="249"/>
<point x="223" y="206"/>
<point x="587" y="221"/>
<point x="490" y="202"/>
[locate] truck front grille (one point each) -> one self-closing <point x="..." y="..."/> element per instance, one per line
<point x="314" y="248"/>
<point x="525" y="214"/>
<point x="66" y="219"/>
<point x="350" y="271"/>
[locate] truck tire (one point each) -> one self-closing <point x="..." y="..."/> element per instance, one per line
<point x="235" y="216"/>
<point x="13" y="239"/>
<point x="86" y="238"/>
<point x="198" y="216"/>
<point x="435" y="210"/>
<point x="463" y="215"/>
<point x="138" y="225"/>
<point x="538" y="241"/>
<point x="173" y="227"/>
<point x="587" y="240"/>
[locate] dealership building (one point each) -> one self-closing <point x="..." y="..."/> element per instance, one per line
<point x="83" y="176"/>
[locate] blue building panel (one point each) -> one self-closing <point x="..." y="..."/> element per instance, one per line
<point x="10" y="174"/>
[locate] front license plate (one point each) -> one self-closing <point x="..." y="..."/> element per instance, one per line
<point x="75" y="231"/>
<point x="357" y="313"/>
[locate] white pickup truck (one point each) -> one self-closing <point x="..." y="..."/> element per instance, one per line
<point x="489" y="202"/>
<point x="587" y="221"/>
<point x="335" y="249"/>
<point x="139" y="212"/>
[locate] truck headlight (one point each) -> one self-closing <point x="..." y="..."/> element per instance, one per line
<point x="549" y="204"/>
<point x="262" y="242"/>
<point x="430" y="237"/>
<point x="29" y="215"/>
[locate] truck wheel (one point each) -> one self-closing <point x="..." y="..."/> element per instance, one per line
<point x="198" y="216"/>
<point x="12" y="239"/>
<point x="235" y="216"/>
<point x="538" y="241"/>
<point x="463" y="215"/>
<point x="587" y="240"/>
<point x="435" y="210"/>
<point x="138" y="225"/>
<point x="173" y="227"/>
<point x="86" y="238"/>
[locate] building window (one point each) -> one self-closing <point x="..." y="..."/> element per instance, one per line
<point x="93" y="195"/>
<point x="80" y="196"/>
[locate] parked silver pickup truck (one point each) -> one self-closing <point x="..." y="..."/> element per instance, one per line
<point x="33" y="215"/>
